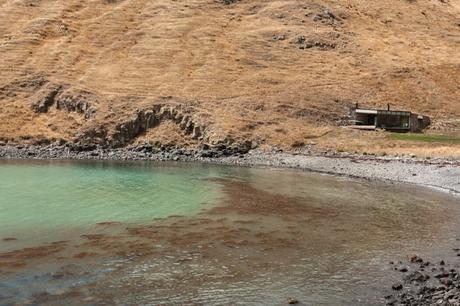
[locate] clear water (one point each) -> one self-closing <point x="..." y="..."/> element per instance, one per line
<point x="41" y="199"/>
<point x="142" y="233"/>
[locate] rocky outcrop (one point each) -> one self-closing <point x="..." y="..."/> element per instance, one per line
<point x="91" y="138"/>
<point x="47" y="98"/>
<point x="143" y="120"/>
<point x="64" y="98"/>
<point x="324" y="41"/>
<point x="45" y="94"/>
<point x="228" y="2"/>
<point x="79" y="101"/>
<point x="325" y="16"/>
<point x="125" y="133"/>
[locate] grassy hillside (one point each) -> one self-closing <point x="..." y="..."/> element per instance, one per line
<point x="276" y="73"/>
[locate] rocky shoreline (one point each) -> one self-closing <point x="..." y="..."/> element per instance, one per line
<point x="439" y="173"/>
<point x="426" y="283"/>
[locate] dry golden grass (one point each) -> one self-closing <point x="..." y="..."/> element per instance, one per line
<point x="237" y="66"/>
<point x="381" y="143"/>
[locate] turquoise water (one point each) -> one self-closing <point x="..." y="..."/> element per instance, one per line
<point x="243" y="236"/>
<point x="45" y="198"/>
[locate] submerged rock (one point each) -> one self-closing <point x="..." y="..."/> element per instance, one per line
<point x="292" y="301"/>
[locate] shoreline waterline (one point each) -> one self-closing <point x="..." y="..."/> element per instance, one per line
<point x="441" y="174"/>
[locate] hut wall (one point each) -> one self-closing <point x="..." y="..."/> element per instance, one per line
<point x="414" y="123"/>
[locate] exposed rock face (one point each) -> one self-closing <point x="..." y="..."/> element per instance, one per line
<point x="228" y="2"/>
<point x="324" y="42"/>
<point x="146" y="119"/>
<point x="64" y="98"/>
<point x="326" y="16"/>
<point x="77" y="101"/>
<point x="91" y="138"/>
<point x="48" y="98"/>
<point x="45" y="94"/>
<point x="125" y="133"/>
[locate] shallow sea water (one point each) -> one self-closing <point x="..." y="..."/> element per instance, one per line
<point x="39" y="200"/>
<point x="145" y="233"/>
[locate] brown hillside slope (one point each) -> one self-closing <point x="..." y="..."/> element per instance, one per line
<point x="274" y="72"/>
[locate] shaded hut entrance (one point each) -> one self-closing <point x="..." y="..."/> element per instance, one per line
<point x="366" y="118"/>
